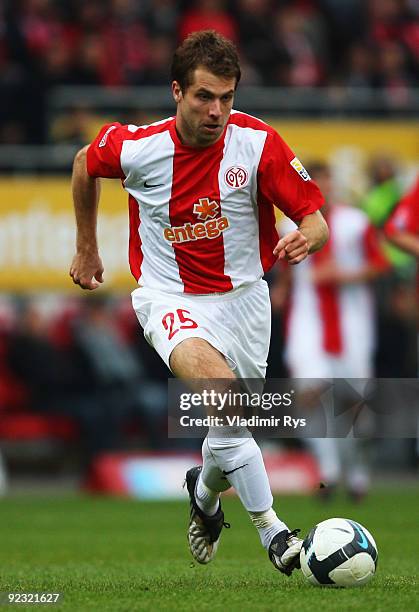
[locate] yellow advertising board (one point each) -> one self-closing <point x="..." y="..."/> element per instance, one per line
<point x="37" y="230"/>
<point x="37" y="234"/>
<point x="328" y="139"/>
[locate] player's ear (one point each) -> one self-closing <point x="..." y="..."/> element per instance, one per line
<point x="176" y="91"/>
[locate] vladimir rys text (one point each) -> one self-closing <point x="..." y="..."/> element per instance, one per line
<point x="237" y="421"/>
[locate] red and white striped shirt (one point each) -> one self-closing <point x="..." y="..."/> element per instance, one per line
<point x="333" y="319"/>
<point x="202" y="219"/>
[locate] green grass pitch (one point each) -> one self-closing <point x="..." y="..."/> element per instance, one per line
<point x="124" y="555"/>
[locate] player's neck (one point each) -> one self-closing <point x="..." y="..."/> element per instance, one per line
<point x="188" y="138"/>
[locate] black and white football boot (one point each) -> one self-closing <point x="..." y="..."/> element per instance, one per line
<point x="284" y="551"/>
<point x="203" y="531"/>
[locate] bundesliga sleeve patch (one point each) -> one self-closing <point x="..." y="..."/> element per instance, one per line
<point x="298" y="167"/>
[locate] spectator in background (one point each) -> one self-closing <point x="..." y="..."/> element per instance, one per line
<point x="123" y="388"/>
<point x="393" y="75"/>
<point x="22" y="110"/>
<point x="360" y="66"/>
<point x="256" y="45"/>
<point x="298" y="38"/>
<point x="394" y="29"/>
<point x="209" y="15"/>
<point x="52" y="379"/>
<point x="160" y="54"/>
<point x="162" y="18"/>
<point x="331" y="326"/>
<point x="380" y="200"/>
<point x="384" y="190"/>
<point x="396" y="351"/>
<point x="125" y="41"/>
<point x="46" y="43"/>
<point x="402" y="228"/>
<point x="92" y="376"/>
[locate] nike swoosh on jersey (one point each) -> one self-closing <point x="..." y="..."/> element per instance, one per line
<point x="235" y="469"/>
<point x="148" y="186"/>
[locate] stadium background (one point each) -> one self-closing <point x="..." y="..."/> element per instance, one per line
<point x="82" y="396"/>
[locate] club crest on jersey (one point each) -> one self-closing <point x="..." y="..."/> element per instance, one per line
<point x="236" y="177"/>
<point x="208" y="226"/>
<point x="298" y="167"/>
<point x="105" y="135"/>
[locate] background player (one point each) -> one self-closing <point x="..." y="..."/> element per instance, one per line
<point x="201" y="189"/>
<point x="331" y="323"/>
<point x="402" y="228"/>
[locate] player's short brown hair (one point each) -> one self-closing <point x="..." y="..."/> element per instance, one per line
<point x="208" y="49"/>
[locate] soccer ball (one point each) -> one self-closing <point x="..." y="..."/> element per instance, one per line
<point x="339" y="552"/>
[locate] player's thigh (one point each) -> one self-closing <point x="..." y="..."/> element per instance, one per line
<point x="169" y="321"/>
<point x="197" y="358"/>
<point x="248" y="320"/>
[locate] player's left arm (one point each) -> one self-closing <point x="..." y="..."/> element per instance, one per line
<point x="283" y="181"/>
<point x="311" y="235"/>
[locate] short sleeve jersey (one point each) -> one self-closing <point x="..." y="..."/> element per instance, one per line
<point x="202" y="219"/>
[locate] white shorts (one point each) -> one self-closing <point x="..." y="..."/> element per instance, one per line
<point x="306" y="363"/>
<point x="238" y="323"/>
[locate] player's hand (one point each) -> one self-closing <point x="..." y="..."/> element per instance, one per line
<point x="293" y="247"/>
<point x="87" y="270"/>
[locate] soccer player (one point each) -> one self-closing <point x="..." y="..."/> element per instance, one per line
<point x="402" y="228"/>
<point x="202" y="233"/>
<point x="331" y="323"/>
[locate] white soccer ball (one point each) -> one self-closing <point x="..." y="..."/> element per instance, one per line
<point x="339" y="552"/>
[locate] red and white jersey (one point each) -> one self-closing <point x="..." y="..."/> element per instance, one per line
<point x="405" y="217"/>
<point x="332" y="321"/>
<point x="202" y="219"/>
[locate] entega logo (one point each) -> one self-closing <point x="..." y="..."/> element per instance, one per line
<point x="207" y="228"/>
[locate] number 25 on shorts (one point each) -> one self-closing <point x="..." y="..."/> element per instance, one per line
<point x="174" y="321"/>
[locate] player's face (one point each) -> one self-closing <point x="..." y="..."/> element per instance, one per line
<point x="204" y="108"/>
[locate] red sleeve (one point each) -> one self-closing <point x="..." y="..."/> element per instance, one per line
<point x="372" y="248"/>
<point x="405" y="217"/>
<point x="104" y="154"/>
<point x="283" y="180"/>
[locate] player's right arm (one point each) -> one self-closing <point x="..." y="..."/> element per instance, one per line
<point x="100" y="159"/>
<point x="86" y="268"/>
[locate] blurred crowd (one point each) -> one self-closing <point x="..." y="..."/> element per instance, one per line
<point x="296" y="43"/>
<point x="79" y="370"/>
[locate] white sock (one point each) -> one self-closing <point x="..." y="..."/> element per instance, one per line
<point x="210" y="483"/>
<point x="240" y="463"/>
<point x="207" y="499"/>
<point x="268" y="525"/>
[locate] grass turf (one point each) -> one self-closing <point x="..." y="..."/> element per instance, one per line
<point x="123" y="555"/>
